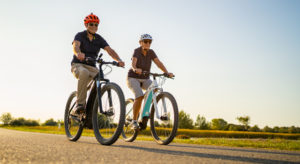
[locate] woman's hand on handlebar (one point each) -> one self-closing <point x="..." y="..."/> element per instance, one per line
<point x="138" y="71"/>
<point x="169" y="74"/>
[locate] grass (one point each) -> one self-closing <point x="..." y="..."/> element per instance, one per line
<point x="279" y="144"/>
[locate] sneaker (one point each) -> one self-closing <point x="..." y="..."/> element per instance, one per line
<point x="134" y="125"/>
<point x="78" y="110"/>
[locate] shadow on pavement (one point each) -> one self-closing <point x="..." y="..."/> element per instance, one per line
<point x="204" y="155"/>
<point x="237" y="149"/>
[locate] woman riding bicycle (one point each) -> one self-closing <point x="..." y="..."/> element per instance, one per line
<point x="88" y="44"/>
<point x="136" y="80"/>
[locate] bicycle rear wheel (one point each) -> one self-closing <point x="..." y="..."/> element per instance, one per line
<point x="108" y="125"/>
<point x="73" y="126"/>
<point x="129" y="134"/>
<point x="164" y="128"/>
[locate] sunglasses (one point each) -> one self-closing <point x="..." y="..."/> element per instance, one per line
<point x="93" y="24"/>
<point x="147" y="41"/>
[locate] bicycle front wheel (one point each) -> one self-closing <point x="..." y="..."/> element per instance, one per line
<point x="164" y="121"/>
<point x="73" y="126"/>
<point x="109" y="124"/>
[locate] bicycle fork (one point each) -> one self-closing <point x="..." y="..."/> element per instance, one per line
<point x="151" y="98"/>
<point x="163" y="115"/>
<point x="99" y="86"/>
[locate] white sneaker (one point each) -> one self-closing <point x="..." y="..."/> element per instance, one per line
<point x="134" y="125"/>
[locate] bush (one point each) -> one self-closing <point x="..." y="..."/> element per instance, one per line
<point x="225" y="134"/>
<point x="50" y="122"/>
<point x="31" y="123"/>
<point x="23" y="122"/>
<point x="232" y="127"/>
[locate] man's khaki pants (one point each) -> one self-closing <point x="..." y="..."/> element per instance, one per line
<point x="84" y="73"/>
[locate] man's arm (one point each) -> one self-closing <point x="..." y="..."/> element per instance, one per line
<point x="76" y="50"/>
<point x="114" y="55"/>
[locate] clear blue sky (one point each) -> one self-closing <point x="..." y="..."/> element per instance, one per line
<point x="231" y="58"/>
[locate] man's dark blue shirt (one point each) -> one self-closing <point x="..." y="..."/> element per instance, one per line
<point x="89" y="48"/>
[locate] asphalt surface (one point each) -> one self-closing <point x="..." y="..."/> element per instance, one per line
<point x="28" y="147"/>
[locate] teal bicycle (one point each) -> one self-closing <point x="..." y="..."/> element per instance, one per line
<point x="158" y="106"/>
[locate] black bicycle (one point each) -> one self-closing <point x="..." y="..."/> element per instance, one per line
<point x="105" y="109"/>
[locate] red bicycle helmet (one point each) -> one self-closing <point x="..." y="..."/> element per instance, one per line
<point x="91" y="18"/>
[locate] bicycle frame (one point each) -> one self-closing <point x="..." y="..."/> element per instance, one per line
<point x="150" y="98"/>
<point x="99" y="80"/>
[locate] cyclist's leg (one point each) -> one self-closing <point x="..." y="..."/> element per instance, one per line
<point x="93" y="71"/>
<point x="84" y="77"/>
<point x="135" y="85"/>
<point x="146" y="83"/>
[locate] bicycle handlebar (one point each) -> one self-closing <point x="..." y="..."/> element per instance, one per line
<point x="101" y="61"/>
<point x="157" y="74"/>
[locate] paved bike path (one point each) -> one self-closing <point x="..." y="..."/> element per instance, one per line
<point x="28" y="147"/>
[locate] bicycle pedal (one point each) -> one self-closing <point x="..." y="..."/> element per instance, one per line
<point x="75" y="118"/>
<point x="164" y="118"/>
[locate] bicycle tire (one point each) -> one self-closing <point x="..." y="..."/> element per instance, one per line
<point x="67" y="119"/>
<point x="129" y="138"/>
<point x="100" y="138"/>
<point x="175" y="122"/>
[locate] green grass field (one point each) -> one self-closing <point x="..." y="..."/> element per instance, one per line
<point x="277" y="143"/>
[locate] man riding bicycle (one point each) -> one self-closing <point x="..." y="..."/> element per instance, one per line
<point x="88" y="44"/>
<point x="136" y="80"/>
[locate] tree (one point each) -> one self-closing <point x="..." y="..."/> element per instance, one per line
<point x="31" y="123"/>
<point x="23" y="122"/>
<point x="6" y="118"/>
<point x="283" y="130"/>
<point x="276" y="129"/>
<point x="201" y="123"/>
<point x="233" y="127"/>
<point x="50" y="122"/>
<point x="18" y="122"/>
<point x="218" y="124"/>
<point x="292" y="129"/>
<point x="254" y="128"/>
<point x="244" y="121"/>
<point x="267" y="129"/>
<point x="185" y="122"/>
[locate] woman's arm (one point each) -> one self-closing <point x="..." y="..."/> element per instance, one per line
<point x="162" y="67"/>
<point x="135" y="69"/>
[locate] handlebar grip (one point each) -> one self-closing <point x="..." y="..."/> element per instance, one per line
<point x="166" y="75"/>
<point x="90" y="60"/>
<point x="115" y="63"/>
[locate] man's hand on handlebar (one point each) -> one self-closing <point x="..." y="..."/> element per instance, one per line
<point x="121" y="64"/>
<point x="81" y="56"/>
